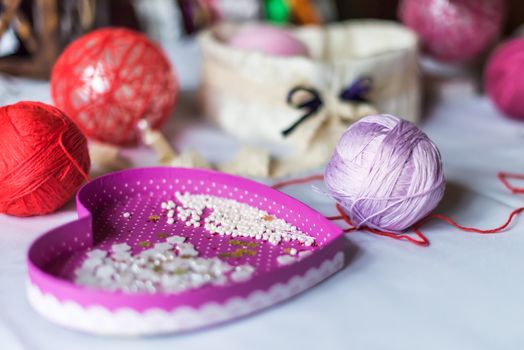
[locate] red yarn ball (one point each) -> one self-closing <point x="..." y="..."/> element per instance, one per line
<point x="43" y="159"/>
<point x="454" y="30"/>
<point x="503" y="78"/>
<point x="109" y="79"/>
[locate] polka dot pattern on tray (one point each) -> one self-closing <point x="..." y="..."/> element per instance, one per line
<point x="137" y="213"/>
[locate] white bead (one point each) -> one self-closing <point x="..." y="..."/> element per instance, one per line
<point x="91" y="263"/>
<point x="304" y="253"/>
<point x="105" y="272"/>
<point x="121" y="247"/>
<point x="175" y="239"/>
<point x="121" y="256"/>
<point x="242" y="273"/>
<point x="97" y="253"/>
<point x="285" y="260"/>
<point x="163" y="246"/>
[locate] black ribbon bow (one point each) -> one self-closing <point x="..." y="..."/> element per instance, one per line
<point x="356" y="92"/>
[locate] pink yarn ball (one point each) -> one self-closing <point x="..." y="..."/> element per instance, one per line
<point x="503" y="78"/>
<point x="454" y="30"/>
<point x="269" y="40"/>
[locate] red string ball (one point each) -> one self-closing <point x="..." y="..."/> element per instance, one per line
<point x="454" y="31"/>
<point x="503" y="78"/>
<point x="43" y="159"/>
<point x="108" y="80"/>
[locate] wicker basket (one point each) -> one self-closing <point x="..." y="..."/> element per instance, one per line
<point x="246" y="92"/>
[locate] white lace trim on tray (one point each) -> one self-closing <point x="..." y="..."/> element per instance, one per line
<point x="125" y="321"/>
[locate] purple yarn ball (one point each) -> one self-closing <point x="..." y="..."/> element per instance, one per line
<point x="386" y="173"/>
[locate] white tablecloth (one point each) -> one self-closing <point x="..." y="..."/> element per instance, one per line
<point x="463" y="292"/>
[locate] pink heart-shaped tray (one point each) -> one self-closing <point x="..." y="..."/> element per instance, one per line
<point x="125" y="207"/>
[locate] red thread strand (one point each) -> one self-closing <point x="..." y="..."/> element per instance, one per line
<point x="503" y="177"/>
<point x="70" y="157"/>
<point x="421" y="239"/>
<point x="423" y="242"/>
<point x="453" y="223"/>
<point x="302" y="180"/>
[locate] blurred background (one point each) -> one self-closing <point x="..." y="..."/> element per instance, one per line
<point x="34" y="32"/>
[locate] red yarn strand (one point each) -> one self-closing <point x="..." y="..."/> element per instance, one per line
<point x="453" y="223"/>
<point x="421" y="239"/>
<point x="306" y="179"/>
<point x="423" y="242"/>
<point x="73" y="161"/>
<point x="503" y="177"/>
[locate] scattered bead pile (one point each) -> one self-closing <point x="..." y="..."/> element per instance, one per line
<point x="172" y="266"/>
<point x="232" y="218"/>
